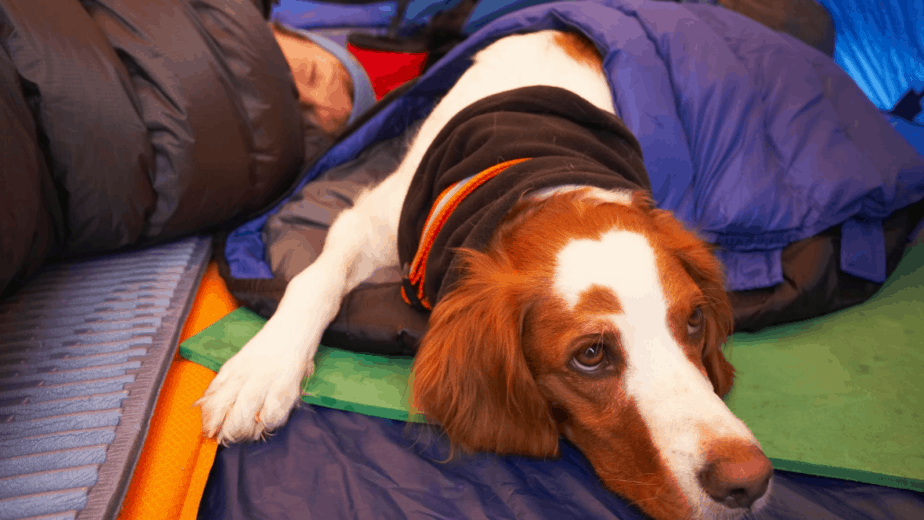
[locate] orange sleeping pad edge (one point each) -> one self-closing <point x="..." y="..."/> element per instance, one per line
<point x="170" y="476"/>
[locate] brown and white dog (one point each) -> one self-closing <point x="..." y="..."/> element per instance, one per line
<point x="589" y="315"/>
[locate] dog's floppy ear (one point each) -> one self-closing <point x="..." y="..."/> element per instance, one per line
<point x="470" y="373"/>
<point x="706" y="270"/>
<point x="721" y="372"/>
<point x="701" y="264"/>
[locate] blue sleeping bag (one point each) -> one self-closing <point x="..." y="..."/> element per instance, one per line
<point x="753" y="138"/>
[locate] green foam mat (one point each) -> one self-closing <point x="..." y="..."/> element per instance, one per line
<point x="841" y="395"/>
<point x="837" y="396"/>
<point x="362" y="383"/>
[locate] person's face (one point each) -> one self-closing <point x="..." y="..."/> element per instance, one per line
<point x="324" y="86"/>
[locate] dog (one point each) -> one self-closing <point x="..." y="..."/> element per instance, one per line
<point x="587" y="313"/>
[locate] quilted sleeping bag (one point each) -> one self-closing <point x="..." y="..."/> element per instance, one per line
<point x="758" y="141"/>
<point x="130" y="122"/>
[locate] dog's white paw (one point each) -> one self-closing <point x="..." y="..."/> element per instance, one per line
<point x="256" y="389"/>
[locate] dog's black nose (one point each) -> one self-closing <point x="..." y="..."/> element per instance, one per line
<point x="737" y="477"/>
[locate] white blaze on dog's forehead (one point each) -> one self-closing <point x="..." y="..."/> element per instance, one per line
<point x="675" y="399"/>
<point x="620" y="260"/>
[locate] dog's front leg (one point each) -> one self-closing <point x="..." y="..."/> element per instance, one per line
<point x="257" y="388"/>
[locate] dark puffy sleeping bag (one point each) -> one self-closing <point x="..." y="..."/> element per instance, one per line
<point x="132" y="122"/>
<point x="752" y="137"/>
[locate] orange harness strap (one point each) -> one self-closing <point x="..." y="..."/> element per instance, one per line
<point x="444" y="205"/>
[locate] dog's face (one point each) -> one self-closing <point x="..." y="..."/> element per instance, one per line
<point x="601" y="319"/>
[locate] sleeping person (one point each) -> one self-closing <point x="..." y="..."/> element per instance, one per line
<point x="332" y="85"/>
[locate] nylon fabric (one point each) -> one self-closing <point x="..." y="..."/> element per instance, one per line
<point x="137" y="124"/>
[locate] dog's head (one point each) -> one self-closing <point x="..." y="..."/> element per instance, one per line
<point x="595" y="316"/>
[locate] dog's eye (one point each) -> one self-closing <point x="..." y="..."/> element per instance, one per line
<point x="591" y="357"/>
<point x="695" y="322"/>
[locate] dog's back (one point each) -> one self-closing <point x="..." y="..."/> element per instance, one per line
<point x="552" y="58"/>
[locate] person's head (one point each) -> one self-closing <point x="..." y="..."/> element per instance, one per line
<point x="325" y="89"/>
